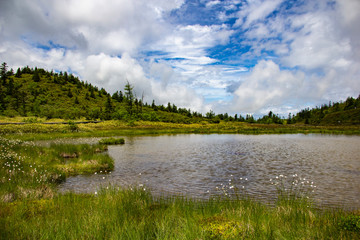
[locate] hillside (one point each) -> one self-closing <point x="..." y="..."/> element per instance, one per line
<point x="337" y="113"/>
<point x="40" y="93"/>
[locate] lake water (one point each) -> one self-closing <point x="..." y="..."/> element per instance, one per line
<point x="201" y="165"/>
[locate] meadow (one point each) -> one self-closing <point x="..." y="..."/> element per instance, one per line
<point x="32" y="208"/>
<point x="40" y="129"/>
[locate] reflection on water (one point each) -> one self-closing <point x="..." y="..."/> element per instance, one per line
<point x="194" y="165"/>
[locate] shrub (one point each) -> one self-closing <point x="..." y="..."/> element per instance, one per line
<point x="350" y="223"/>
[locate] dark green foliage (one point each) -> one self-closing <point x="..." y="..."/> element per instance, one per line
<point x="36" y="77"/>
<point x="270" y="118"/>
<point x="350" y="223"/>
<point x="340" y="113"/>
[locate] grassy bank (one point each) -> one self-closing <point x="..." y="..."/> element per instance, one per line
<point x="31" y="207"/>
<point x="37" y="131"/>
<point x="135" y="214"/>
<point x="32" y="172"/>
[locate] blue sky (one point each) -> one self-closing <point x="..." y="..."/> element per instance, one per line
<point x="234" y="56"/>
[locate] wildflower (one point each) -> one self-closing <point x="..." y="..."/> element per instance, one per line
<point x="95" y="193"/>
<point x="103" y="177"/>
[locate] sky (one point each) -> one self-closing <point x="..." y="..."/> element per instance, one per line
<point x="230" y="56"/>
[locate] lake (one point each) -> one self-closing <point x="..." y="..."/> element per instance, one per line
<point x="199" y="166"/>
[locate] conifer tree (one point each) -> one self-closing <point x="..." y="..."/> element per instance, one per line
<point x="129" y="95"/>
<point x="3" y="73"/>
<point x="36" y="77"/>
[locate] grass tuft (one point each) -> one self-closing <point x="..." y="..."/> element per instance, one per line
<point x="112" y="141"/>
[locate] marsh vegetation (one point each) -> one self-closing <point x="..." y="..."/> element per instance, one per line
<point x="31" y="206"/>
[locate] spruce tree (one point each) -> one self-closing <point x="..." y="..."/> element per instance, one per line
<point x="36" y="77"/>
<point x="3" y="73"/>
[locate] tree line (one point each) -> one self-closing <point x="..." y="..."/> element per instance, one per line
<point x="41" y="93"/>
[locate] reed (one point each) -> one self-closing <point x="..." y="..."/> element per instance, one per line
<point x="31" y="208"/>
<point x="115" y="213"/>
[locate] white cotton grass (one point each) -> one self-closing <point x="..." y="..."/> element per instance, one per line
<point x="15" y="166"/>
<point x="295" y="186"/>
<point x="233" y="186"/>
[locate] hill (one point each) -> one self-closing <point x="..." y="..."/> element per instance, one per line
<point x="337" y="113"/>
<point x="40" y="93"/>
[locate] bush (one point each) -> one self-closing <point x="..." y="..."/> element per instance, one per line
<point x="350" y="223"/>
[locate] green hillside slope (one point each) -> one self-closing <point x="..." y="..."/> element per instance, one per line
<point x="347" y="117"/>
<point x="39" y="93"/>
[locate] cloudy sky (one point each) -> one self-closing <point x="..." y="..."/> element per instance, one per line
<point x="233" y="56"/>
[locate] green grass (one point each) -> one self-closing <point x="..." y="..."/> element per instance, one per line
<point x="31" y="207"/>
<point x="135" y="214"/>
<point x="112" y="141"/>
<point x="28" y="171"/>
<point x="38" y="131"/>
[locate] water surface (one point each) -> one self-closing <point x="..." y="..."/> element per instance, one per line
<point x="201" y="165"/>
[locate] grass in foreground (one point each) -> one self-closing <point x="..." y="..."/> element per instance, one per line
<point x="31" y="208"/>
<point x="135" y="214"/>
<point x="28" y="171"/>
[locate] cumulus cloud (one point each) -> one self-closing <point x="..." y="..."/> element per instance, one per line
<point x="249" y="56"/>
<point x="267" y="86"/>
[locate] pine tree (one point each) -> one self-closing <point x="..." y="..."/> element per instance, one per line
<point x="108" y="108"/>
<point x="129" y="96"/>
<point x="18" y="73"/>
<point x="36" y="77"/>
<point x="3" y="73"/>
<point x="10" y="87"/>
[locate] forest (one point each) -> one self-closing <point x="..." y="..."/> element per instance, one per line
<point x="41" y="93"/>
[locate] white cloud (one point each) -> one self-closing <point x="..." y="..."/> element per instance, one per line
<point x="317" y="44"/>
<point x="212" y="3"/>
<point x="314" y="49"/>
<point x="256" y="10"/>
<point x="191" y="41"/>
<point x="267" y="86"/>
